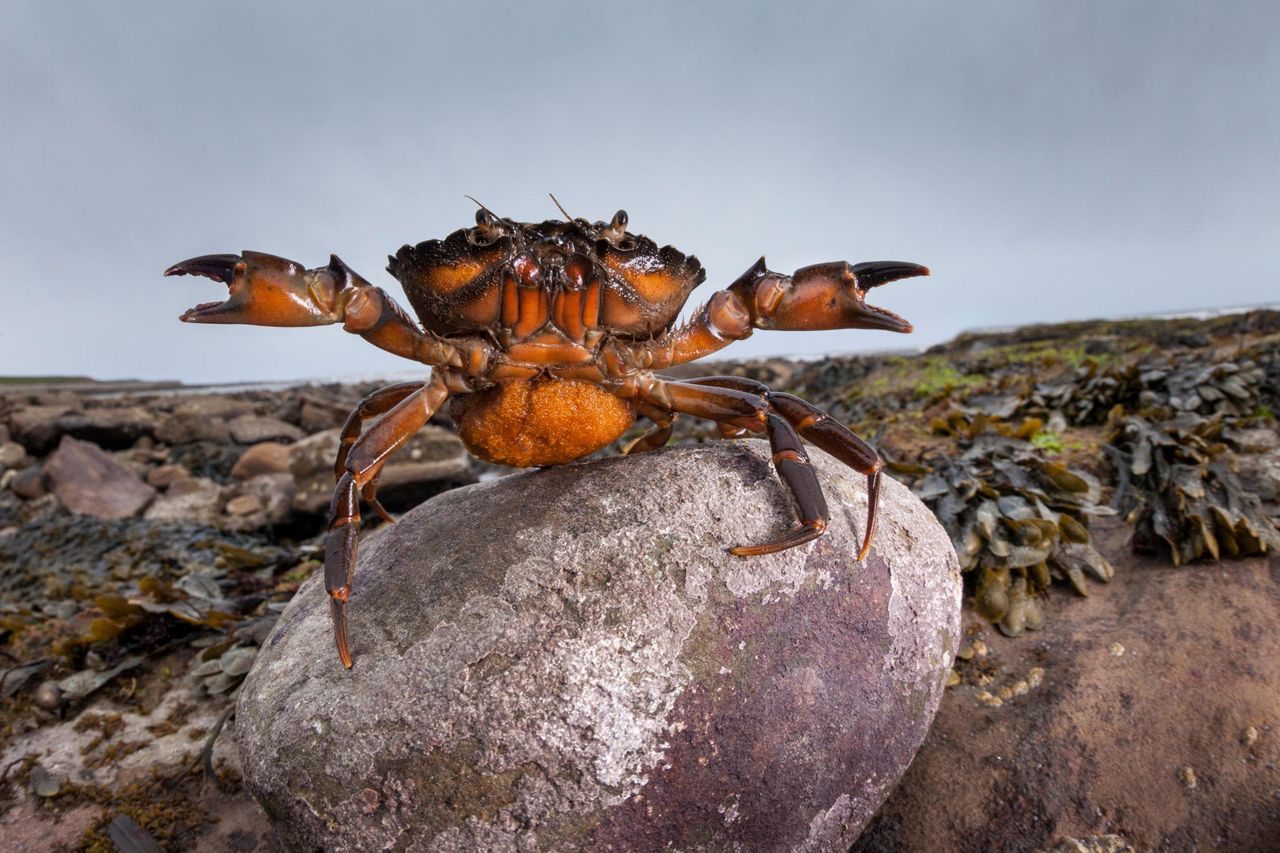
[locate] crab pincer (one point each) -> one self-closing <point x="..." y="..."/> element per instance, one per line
<point x="264" y="290"/>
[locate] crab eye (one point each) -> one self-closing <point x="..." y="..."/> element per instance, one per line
<point x="488" y="228"/>
<point x="616" y="232"/>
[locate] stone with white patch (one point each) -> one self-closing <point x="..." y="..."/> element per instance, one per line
<point x="570" y="659"/>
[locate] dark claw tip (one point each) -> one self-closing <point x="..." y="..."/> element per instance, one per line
<point x="216" y="267"/>
<point x="875" y="273"/>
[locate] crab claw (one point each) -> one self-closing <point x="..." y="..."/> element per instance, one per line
<point x="823" y="296"/>
<point x="265" y="290"/>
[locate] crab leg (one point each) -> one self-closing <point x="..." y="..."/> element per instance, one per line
<point x="655" y="437"/>
<point x="363" y="464"/>
<point x="266" y="290"/>
<point x="375" y="404"/>
<point x="822" y="296"/>
<point x="824" y="431"/>
<point x="738" y="409"/>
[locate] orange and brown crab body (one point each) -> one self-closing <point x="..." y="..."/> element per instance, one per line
<point x="544" y="339"/>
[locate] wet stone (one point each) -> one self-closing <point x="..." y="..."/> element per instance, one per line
<point x="570" y="659"/>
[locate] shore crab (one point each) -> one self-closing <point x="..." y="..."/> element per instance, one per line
<point x="544" y="338"/>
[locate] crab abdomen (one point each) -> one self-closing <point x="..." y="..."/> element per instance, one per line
<point x="540" y="422"/>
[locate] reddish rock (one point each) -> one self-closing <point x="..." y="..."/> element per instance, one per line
<point x="569" y="659"/>
<point x="87" y="480"/>
<point x="1099" y="722"/>
<point x="163" y="476"/>
<point x="243" y="505"/>
<point x="269" y="457"/>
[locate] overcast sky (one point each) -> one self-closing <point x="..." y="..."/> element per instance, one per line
<point x="1048" y="160"/>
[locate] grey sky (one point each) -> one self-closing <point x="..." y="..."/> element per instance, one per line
<point x="1048" y="160"/>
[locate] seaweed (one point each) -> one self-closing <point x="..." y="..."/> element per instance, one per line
<point x="1018" y="520"/>
<point x="1176" y="486"/>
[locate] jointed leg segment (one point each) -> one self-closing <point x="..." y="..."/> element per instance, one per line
<point x="375" y="404"/>
<point x="362" y="465"/>
<point x="740" y="404"/>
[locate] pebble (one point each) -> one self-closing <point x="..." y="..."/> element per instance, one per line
<point x="44" y="783"/>
<point x="1116" y="649"/>
<point x="244" y="505"/>
<point x="1187" y="776"/>
<point x="1249" y="736"/>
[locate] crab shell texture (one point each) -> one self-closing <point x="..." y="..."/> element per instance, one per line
<point x="548" y="294"/>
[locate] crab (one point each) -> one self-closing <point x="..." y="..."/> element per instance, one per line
<point x="544" y="340"/>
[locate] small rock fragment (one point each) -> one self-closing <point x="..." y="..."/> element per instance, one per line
<point x="129" y="837"/>
<point x="166" y="475"/>
<point x="1116" y="650"/>
<point x="29" y="483"/>
<point x="243" y="505"/>
<point x="44" y="783"/>
<point x="1187" y="776"/>
<point x="48" y="695"/>
<point x="1249" y="736"/>
<point x="13" y="455"/>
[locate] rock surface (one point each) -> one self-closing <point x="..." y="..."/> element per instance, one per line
<point x="89" y="481"/>
<point x="1155" y="717"/>
<point x="569" y="659"/>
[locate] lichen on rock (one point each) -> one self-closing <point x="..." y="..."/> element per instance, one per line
<point x="570" y="659"/>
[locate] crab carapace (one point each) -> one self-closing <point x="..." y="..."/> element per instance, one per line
<point x="544" y="339"/>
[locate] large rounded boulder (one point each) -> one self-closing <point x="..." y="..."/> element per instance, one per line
<point x="569" y="659"/>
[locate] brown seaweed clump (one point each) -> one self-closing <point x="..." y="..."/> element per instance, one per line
<point x="1018" y="521"/>
<point x="1160" y="388"/>
<point x="1176" y="486"/>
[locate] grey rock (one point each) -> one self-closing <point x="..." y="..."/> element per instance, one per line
<point x="188" y="427"/>
<point x="199" y="501"/>
<point x="36" y="427"/>
<point x="430" y="461"/>
<point x="112" y="429"/>
<point x="215" y="406"/>
<point x="570" y="659"/>
<point x="254" y="429"/>
<point x="316" y="415"/>
<point x="29" y="483"/>
<point x="87" y="480"/>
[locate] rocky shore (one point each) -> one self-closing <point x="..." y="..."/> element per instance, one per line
<point x="151" y="537"/>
